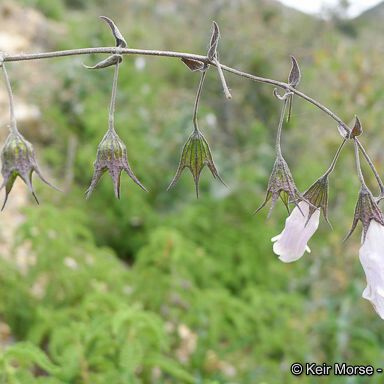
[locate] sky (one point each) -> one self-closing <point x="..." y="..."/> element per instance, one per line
<point x="315" y="6"/>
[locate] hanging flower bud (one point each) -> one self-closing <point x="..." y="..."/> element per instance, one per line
<point x="281" y="185"/>
<point x="371" y="257"/>
<point x="195" y="155"/>
<point x="366" y="210"/>
<point x="18" y="159"/>
<point x="111" y="156"/>
<point x="317" y="195"/>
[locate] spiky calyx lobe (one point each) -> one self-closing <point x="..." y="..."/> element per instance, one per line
<point x="317" y="195"/>
<point x="281" y="184"/>
<point x="18" y="159"/>
<point x="195" y="155"/>
<point x="366" y="210"/>
<point x="112" y="157"/>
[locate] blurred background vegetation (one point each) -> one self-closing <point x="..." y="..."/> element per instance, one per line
<point x="160" y="287"/>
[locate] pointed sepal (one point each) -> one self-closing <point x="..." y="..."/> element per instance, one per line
<point x="317" y="195"/>
<point x="112" y="157"/>
<point x="18" y="159"/>
<point x="281" y="184"/>
<point x="195" y="155"/>
<point x="366" y="210"/>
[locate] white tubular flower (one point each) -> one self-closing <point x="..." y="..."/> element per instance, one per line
<point x="372" y="259"/>
<point x="291" y="244"/>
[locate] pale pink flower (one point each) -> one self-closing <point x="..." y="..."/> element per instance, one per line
<point x="372" y="259"/>
<point x="291" y="244"/>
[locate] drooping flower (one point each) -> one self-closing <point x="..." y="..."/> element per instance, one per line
<point x="281" y="185"/>
<point x="371" y="258"/>
<point x="195" y="155"/>
<point x="112" y="157"/>
<point x="301" y="224"/>
<point x="18" y="159"/>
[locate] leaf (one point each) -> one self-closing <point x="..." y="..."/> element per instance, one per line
<point x="120" y="41"/>
<point x="357" y="129"/>
<point x="25" y="352"/>
<point x="193" y="65"/>
<point x="131" y="355"/>
<point x="295" y="74"/>
<point x="171" y="368"/>
<point x="110" y="60"/>
<point x="212" y="51"/>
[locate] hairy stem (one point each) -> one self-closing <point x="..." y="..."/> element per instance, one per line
<point x="198" y="94"/>
<point x="13" y="125"/>
<point x="113" y="98"/>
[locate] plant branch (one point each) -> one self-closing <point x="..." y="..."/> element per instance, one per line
<point x="198" y="94"/>
<point x="149" y="52"/>
<point x="280" y="127"/>
<point x="113" y="98"/>
<point x="336" y="157"/>
<point x="372" y="166"/>
<point x="222" y="79"/>
<point x="13" y="126"/>
<point x="203" y="59"/>
<point x="358" y="165"/>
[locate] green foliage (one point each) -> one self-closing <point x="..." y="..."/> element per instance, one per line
<point x="163" y="288"/>
<point x="53" y="9"/>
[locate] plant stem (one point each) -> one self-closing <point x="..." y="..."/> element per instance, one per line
<point x="109" y="50"/>
<point x="113" y="99"/>
<point x="198" y="94"/>
<point x="222" y="79"/>
<point x="13" y="125"/>
<point x="280" y="127"/>
<point x="373" y="168"/>
<point x="336" y="157"/>
<point x="149" y="52"/>
<point x="204" y="59"/>
<point x="358" y="165"/>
